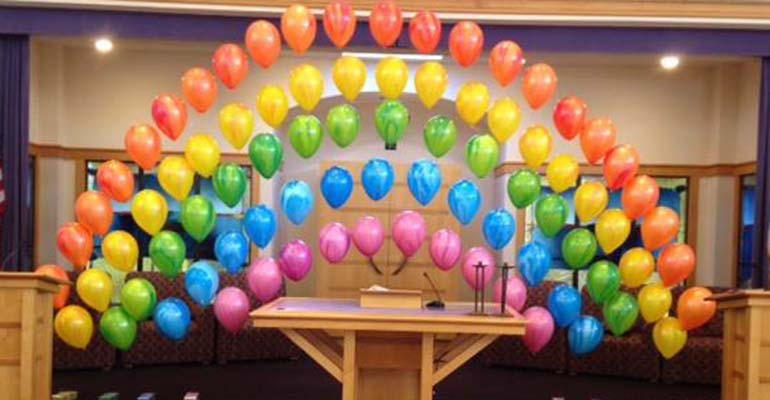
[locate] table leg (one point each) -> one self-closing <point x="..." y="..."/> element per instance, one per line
<point x="349" y="368"/>
<point x="427" y="366"/>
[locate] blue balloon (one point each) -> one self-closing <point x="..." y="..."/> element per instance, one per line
<point x="260" y="223"/>
<point x="232" y="250"/>
<point x="172" y="318"/>
<point x="464" y="201"/>
<point x="564" y="303"/>
<point x="585" y="335"/>
<point x="202" y="282"/>
<point x="377" y="178"/>
<point x="499" y="227"/>
<point x="336" y="186"/>
<point x="534" y="262"/>
<point x="297" y="201"/>
<point x="424" y="180"/>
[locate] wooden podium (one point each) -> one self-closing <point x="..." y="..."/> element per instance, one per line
<point x="26" y="335"/>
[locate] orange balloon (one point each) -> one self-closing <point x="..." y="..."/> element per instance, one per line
<point x="506" y="60"/>
<point x="659" y="228"/>
<point x="55" y="271"/>
<point x="676" y="263"/>
<point x="298" y="27"/>
<point x="692" y="308"/>
<point x="116" y="180"/>
<point x="538" y="84"/>
<point x="199" y="88"/>
<point x="339" y="22"/>
<point x="620" y="166"/>
<point x="170" y="115"/>
<point x="597" y="139"/>
<point x="263" y="42"/>
<point x="143" y="145"/>
<point x="466" y="42"/>
<point x="425" y="31"/>
<point x="385" y="23"/>
<point x="231" y="64"/>
<point x="94" y="210"/>
<point x="75" y="243"/>
<point x="640" y="196"/>
<point x="569" y="116"/>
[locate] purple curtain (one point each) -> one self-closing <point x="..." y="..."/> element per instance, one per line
<point x="17" y="222"/>
<point x="759" y="257"/>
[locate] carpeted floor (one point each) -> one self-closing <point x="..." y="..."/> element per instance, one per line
<point x="303" y="380"/>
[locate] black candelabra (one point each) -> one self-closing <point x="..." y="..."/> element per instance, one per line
<point x="504" y="277"/>
<point x="478" y="290"/>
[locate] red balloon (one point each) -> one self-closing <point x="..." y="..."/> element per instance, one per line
<point x="620" y="166"/>
<point x="385" y="23"/>
<point x="116" y="180"/>
<point x="659" y="228"/>
<point x="539" y="84"/>
<point x="75" y="243"/>
<point x="676" y="263"/>
<point x="170" y="115"/>
<point x="94" y="210"/>
<point x="339" y="22"/>
<point x="231" y="64"/>
<point x="199" y="88"/>
<point x="506" y="60"/>
<point x="692" y="308"/>
<point x="263" y="42"/>
<point x="597" y="138"/>
<point x="640" y="196"/>
<point x="466" y="42"/>
<point x="298" y="27"/>
<point x="569" y="115"/>
<point x="55" y="271"/>
<point x="425" y="32"/>
<point x="143" y="144"/>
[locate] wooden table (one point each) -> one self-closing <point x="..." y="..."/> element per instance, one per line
<point x="385" y="353"/>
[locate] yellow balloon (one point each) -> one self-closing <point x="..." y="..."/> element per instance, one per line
<point x="591" y="198"/>
<point x="472" y="102"/>
<point x="562" y="173"/>
<point x="74" y="325"/>
<point x="636" y="267"/>
<point x="504" y="118"/>
<point x="306" y="85"/>
<point x="392" y="75"/>
<point x="236" y="122"/>
<point x="669" y="337"/>
<point x="654" y="302"/>
<point x="150" y="211"/>
<point x="176" y="177"/>
<point x="430" y="82"/>
<point x="535" y="146"/>
<point x="120" y="250"/>
<point x="94" y="287"/>
<point x="272" y="105"/>
<point x="203" y="154"/>
<point x="349" y="75"/>
<point x="612" y="229"/>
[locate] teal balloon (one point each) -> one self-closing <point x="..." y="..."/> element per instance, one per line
<point x="620" y="313"/>
<point x="118" y="328"/>
<point x="138" y="298"/>
<point x="551" y="214"/>
<point x="585" y="335"/>
<point x="343" y="124"/>
<point x="523" y="187"/>
<point x="229" y="182"/>
<point x="297" y="201"/>
<point x="440" y="134"/>
<point x="198" y="217"/>
<point x="168" y="252"/>
<point x="306" y="135"/>
<point x="579" y="248"/>
<point x="482" y="154"/>
<point x="391" y="119"/>
<point x="266" y="154"/>
<point x="603" y="281"/>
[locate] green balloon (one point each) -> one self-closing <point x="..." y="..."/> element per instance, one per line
<point x="551" y="214"/>
<point x="620" y="313"/>
<point x="229" y="183"/>
<point x="198" y="217"/>
<point x="306" y="135"/>
<point x="118" y="328"/>
<point x="168" y="252"/>
<point x="440" y="135"/>
<point x="343" y="123"/>
<point x="391" y="119"/>
<point x="579" y="248"/>
<point x="266" y="154"/>
<point x="482" y="154"/>
<point x="138" y="298"/>
<point x="603" y="280"/>
<point x="523" y="187"/>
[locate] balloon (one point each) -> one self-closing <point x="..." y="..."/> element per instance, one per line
<point x="504" y="118"/>
<point x="535" y="146"/>
<point x="660" y="227"/>
<point x="424" y="181"/>
<point x="349" y="75"/>
<point x="466" y="42"/>
<point x="94" y="287"/>
<point x="172" y="318"/>
<point x="232" y="251"/>
<point x="295" y="260"/>
<point x="264" y="279"/>
<point x="578" y="248"/>
<point x="62" y="296"/>
<point x="176" y="177"/>
<point x="515" y="294"/>
<point x="445" y="249"/>
<point x="523" y="187"/>
<point x="391" y="75"/>
<point x="336" y="186"/>
<point x="464" y="200"/>
<point x="306" y="135"/>
<point x="272" y="105"/>
<point x="168" y="252"/>
<point x="297" y="201"/>
<point x="472" y="102"/>
<point x="620" y="313"/>
<point x="540" y="327"/>
<point x="118" y="328"/>
<point x="475" y="256"/>
<point x="551" y="214"/>
<point x="602" y="281"/>
<point x="138" y="298"/>
<point x="368" y="235"/>
<point x="425" y="32"/>
<point x="538" y="84"/>
<point x="694" y="309"/>
<point x="236" y="122"/>
<point x="409" y="231"/>
<point x="597" y="138"/>
<point x="170" y="115"/>
<point x="230" y="64"/>
<point x="591" y="199"/>
<point x="229" y="183"/>
<point x="143" y="144"/>
<point x="306" y="85"/>
<point x="654" y="302"/>
<point x="266" y="154"/>
<point x="377" y="178"/>
<point x="564" y="303"/>
<point x="676" y="263"/>
<point x="534" y="263"/>
<point x="149" y="211"/>
<point x="231" y="308"/>
<point x="669" y="337"/>
<point x="562" y="173"/>
<point x="499" y="227"/>
<point x="440" y="134"/>
<point x="298" y="28"/>
<point x="621" y="164"/>
<point x="120" y="250"/>
<point x="505" y="61"/>
<point x="569" y="116"/>
<point x="116" y="180"/>
<point x="391" y="119"/>
<point x="339" y="22"/>
<point x="585" y="335"/>
<point x="430" y="82"/>
<point x="334" y="242"/>
<point x="198" y="217"/>
<point x="74" y="325"/>
<point x="261" y="224"/>
<point x="385" y="23"/>
<point x="94" y="210"/>
<point x="202" y="282"/>
<point x="343" y="123"/>
<point x="636" y="266"/>
<point x="612" y="229"/>
<point x="482" y="154"/>
<point x="263" y="43"/>
<point x="199" y="88"/>
<point x="640" y="196"/>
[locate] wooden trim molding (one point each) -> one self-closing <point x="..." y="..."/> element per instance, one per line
<point x="664" y="170"/>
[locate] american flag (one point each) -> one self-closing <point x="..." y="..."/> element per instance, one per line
<point x="2" y="192"/>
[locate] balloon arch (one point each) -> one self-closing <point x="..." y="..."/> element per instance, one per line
<point x="597" y="136"/>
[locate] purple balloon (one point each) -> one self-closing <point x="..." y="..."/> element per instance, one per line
<point x="231" y="307"/>
<point x="409" y="232"/>
<point x="334" y="242"/>
<point x="265" y="279"/>
<point x="472" y="257"/>
<point x="540" y="328"/>
<point x="295" y="260"/>
<point x="368" y="235"/>
<point x="445" y="249"/>
<point x="515" y="294"/>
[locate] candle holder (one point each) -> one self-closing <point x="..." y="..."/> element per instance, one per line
<point x="504" y="277"/>
<point x="478" y="293"/>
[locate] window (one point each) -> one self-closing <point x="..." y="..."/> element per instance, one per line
<point x="746" y="229"/>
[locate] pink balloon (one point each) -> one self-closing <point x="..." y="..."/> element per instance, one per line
<point x="515" y="295"/>
<point x="472" y="257"/>
<point x="539" y="328"/>
<point x="231" y="307"/>
<point x="445" y="249"/>
<point x="409" y="232"/>
<point x="334" y="242"/>
<point x="265" y="279"/>
<point x="295" y="260"/>
<point x="368" y="235"/>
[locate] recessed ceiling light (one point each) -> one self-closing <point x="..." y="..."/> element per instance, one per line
<point x="103" y="45"/>
<point x="669" y="62"/>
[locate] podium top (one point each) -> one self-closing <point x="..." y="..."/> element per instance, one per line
<point x="30" y="280"/>
<point x="742" y="298"/>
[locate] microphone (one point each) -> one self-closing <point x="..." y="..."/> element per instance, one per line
<point x="438" y="303"/>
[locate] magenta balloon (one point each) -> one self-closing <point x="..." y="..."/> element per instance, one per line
<point x="409" y="232"/>
<point x="445" y="249"/>
<point x="515" y="295"/>
<point x="334" y="242"/>
<point x="265" y="279"/>
<point x="231" y="307"/>
<point x="472" y="257"/>
<point x="540" y="328"/>
<point x="295" y="260"/>
<point x="368" y="235"/>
